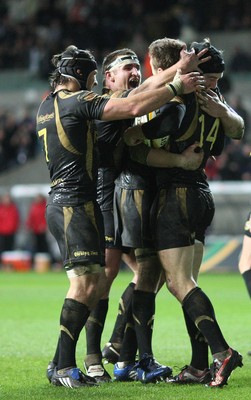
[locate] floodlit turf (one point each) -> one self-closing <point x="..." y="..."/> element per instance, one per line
<point x="30" y="304"/>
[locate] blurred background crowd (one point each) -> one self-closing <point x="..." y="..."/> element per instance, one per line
<point x="32" y="31"/>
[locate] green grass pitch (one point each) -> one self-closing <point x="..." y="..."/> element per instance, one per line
<point x="30" y="304"/>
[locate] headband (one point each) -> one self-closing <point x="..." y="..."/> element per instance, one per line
<point x="123" y="60"/>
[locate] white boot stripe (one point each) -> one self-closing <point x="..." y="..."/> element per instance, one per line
<point x="66" y="382"/>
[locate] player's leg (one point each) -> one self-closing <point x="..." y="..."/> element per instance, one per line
<point x="143" y="299"/>
<point x="245" y="262"/>
<point x="87" y="282"/>
<point x="96" y="321"/>
<point x="112" y="348"/>
<point x="245" y="256"/>
<point x="136" y="207"/>
<point x="179" y="207"/>
<point x="197" y="371"/>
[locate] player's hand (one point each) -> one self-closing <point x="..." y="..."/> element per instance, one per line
<point x="192" y="157"/>
<point x="190" y="61"/>
<point x="188" y="83"/>
<point x="133" y="136"/>
<point x="211" y="104"/>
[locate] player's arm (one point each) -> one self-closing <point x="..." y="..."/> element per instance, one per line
<point x="165" y="124"/>
<point x="233" y="123"/>
<point x="189" y="61"/>
<point x="143" y="103"/>
<point x="161" y="127"/>
<point x="161" y="158"/>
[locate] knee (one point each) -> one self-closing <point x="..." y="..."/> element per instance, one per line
<point x="176" y="287"/>
<point x="172" y="287"/>
<point x="148" y="282"/>
<point x="111" y="273"/>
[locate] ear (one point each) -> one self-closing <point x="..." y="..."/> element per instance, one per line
<point x="109" y="76"/>
<point x="79" y="72"/>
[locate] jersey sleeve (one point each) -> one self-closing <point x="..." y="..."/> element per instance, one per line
<point x="91" y="105"/>
<point x="139" y="153"/>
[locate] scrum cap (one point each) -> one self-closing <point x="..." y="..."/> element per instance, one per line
<point x="78" y="64"/>
<point x="216" y="64"/>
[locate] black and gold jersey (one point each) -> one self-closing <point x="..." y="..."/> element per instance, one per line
<point x="66" y="130"/>
<point x="136" y="175"/>
<point x="109" y="134"/>
<point x="198" y="126"/>
<point x="195" y="126"/>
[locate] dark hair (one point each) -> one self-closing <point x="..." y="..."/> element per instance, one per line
<point x="216" y="64"/>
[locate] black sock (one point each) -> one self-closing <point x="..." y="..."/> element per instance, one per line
<point x="94" y="327"/>
<point x="199" y="359"/>
<point x="247" y="279"/>
<point x="120" y="323"/>
<point x="143" y="310"/>
<point x="56" y="355"/>
<point x="72" y="319"/>
<point x="200" y="310"/>
<point x="128" y="350"/>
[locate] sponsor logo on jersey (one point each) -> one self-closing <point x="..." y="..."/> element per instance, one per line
<point x="44" y="118"/>
<point x="85" y="253"/>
